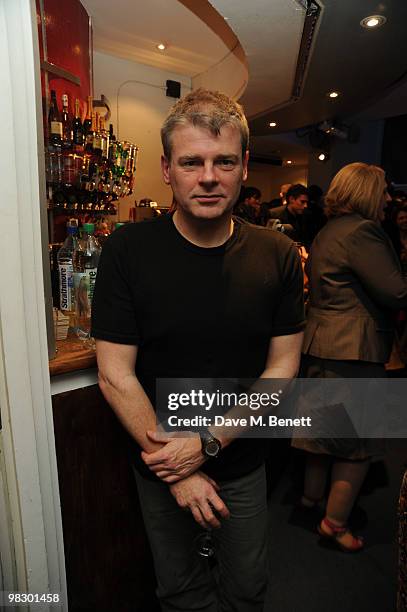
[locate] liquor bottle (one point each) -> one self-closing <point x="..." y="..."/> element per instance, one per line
<point x="91" y="254"/>
<point x="86" y="260"/>
<point x="104" y="139"/>
<point x="90" y="136"/>
<point x="54" y="122"/>
<point x="93" y="183"/>
<point x="89" y="127"/>
<point x="96" y="142"/>
<point x="108" y="179"/>
<point x="77" y="129"/>
<point x="87" y="124"/>
<point x="65" y="269"/>
<point x="118" y="159"/>
<point x="58" y="197"/>
<point x="66" y="124"/>
<point x="112" y="145"/>
<point x="124" y="157"/>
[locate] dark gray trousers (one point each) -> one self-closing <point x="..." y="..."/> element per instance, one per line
<point x="185" y="580"/>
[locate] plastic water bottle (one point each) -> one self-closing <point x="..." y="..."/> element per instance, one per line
<point x="85" y="264"/>
<point x="65" y="269"/>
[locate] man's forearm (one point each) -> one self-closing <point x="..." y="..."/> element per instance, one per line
<point x="281" y="369"/>
<point x="182" y="456"/>
<point x="132" y="407"/>
<point x="240" y="414"/>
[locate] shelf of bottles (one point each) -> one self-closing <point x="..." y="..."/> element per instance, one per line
<point x="87" y="169"/>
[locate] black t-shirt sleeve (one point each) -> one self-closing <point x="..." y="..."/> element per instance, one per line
<point x="289" y="314"/>
<point x="113" y="309"/>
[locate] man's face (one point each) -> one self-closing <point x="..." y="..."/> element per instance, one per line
<point x="254" y="202"/>
<point x="205" y="171"/>
<point x="402" y="221"/>
<point x="298" y="205"/>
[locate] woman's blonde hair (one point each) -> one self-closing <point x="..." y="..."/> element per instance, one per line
<point x="356" y="188"/>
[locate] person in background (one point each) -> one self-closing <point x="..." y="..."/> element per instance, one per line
<point x="398" y="200"/>
<point x="397" y="231"/>
<point x="170" y="295"/>
<point x="281" y="200"/>
<point x="355" y="281"/>
<point x="315" y="218"/>
<point x="399" y="235"/>
<point x="248" y="206"/>
<point x="293" y="213"/>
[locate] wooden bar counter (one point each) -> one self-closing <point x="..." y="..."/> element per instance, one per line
<point x="107" y="556"/>
<point x="72" y="355"/>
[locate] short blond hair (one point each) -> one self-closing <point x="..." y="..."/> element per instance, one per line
<point x="356" y="188"/>
<point x="206" y="109"/>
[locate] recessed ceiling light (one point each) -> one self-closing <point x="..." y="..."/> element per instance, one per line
<point x="161" y="47"/>
<point x="373" y="21"/>
<point x="288" y="161"/>
<point x="333" y="94"/>
<point x="272" y="124"/>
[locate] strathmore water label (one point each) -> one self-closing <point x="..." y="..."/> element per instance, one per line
<point x="81" y="288"/>
<point x="91" y="272"/>
<point x="66" y="286"/>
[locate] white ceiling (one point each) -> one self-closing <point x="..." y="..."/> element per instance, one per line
<point x="218" y="44"/>
<point x="283" y="146"/>
<point x="263" y="37"/>
<point x="270" y="33"/>
<point x="132" y="29"/>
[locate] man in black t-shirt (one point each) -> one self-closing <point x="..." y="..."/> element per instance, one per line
<point x="198" y="295"/>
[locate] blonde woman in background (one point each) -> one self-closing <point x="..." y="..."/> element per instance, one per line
<point x="355" y="282"/>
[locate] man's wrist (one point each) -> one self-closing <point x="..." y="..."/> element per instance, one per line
<point x="210" y="445"/>
<point x="224" y="439"/>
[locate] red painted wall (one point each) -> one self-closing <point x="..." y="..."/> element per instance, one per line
<point x="68" y="46"/>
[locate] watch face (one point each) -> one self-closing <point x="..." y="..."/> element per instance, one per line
<point x="212" y="448"/>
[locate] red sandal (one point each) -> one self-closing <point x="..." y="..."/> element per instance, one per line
<point x="335" y="532"/>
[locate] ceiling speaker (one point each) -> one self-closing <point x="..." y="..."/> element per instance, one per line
<point x="173" y="89"/>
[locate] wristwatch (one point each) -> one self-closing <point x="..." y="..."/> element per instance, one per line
<point x="211" y="446"/>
